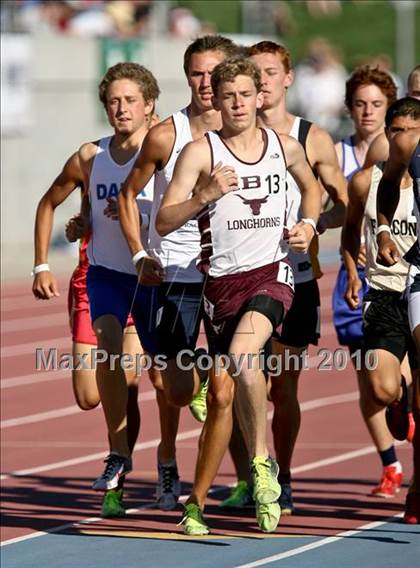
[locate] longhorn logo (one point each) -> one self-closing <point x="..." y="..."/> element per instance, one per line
<point x="255" y="204"/>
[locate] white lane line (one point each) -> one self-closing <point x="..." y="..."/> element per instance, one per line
<point x="59" y="413"/>
<point x="38" y="377"/>
<point x="305" y="406"/>
<point x="261" y="562"/>
<point x="46" y="320"/>
<point x="319" y="543"/>
<point x="38" y="322"/>
<point x="30" y="348"/>
<point x="29" y="302"/>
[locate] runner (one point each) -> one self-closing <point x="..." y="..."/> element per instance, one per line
<point x="181" y="292"/>
<point x="385" y="321"/>
<point x="275" y="66"/>
<point x="404" y="153"/>
<point x="239" y="177"/>
<point x="121" y="91"/>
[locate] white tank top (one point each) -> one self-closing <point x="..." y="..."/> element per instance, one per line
<point x="301" y="263"/>
<point x="350" y="164"/>
<point x="403" y="228"/>
<point x="244" y="229"/>
<point x="107" y="246"/>
<point x="178" y="251"/>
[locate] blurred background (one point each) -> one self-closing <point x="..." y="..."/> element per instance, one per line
<point x="54" y="52"/>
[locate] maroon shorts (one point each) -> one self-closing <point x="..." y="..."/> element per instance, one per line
<point x="78" y="308"/>
<point x="267" y="290"/>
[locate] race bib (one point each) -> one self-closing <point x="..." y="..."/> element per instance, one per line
<point x="285" y="275"/>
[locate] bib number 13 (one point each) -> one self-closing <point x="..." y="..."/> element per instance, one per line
<point x="285" y="275"/>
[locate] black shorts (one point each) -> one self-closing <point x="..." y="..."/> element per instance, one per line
<point x="301" y="326"/>
<point x="179" y="317"/>
<point x="385" y="324"/>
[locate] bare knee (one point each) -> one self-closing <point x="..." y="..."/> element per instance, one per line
<point x="85" y="401"/>
<point x="221" y="398"/>
<point x="385" y="392"/>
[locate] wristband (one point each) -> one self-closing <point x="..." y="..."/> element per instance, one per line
<point x="383" y="229"/>
<point x="144" y="220"/>
<point x="138" y="256"/>
<point x="40" y="268"/>
<point x="311" y="222"/>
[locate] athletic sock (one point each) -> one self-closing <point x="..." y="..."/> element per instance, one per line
<point x="284" y="477"/>
<point x="388" y="457"/>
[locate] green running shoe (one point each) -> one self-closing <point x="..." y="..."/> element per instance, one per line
<point x="239" y="498"/>
<point x="268" y="516"/>
<point x="112" y="504"/>
<point x="264" y="476"/>
<point x="193" y="522"/>
<point x="198" y="405"/>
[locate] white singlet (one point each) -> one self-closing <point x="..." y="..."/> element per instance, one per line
<point x="350" y="164"/>
<point x="107" y="246"/>
<point x="403" y="229"/>
<point x="244" y="229"/>
<point x="301" y="263"/>
<point x="178" y="251"/>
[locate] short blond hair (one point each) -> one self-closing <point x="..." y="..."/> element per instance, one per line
<point x="229" y="69"/>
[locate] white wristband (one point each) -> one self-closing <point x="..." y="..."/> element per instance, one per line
<point x="138" y="256"/>
<point x="310" y="222"/>
<point x="144" y="220"/>
<point x="40" y="268"/>
<point x="383" y="229"/>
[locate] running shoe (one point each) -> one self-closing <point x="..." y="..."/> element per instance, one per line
<point x="268" y="516"/>
<point x="399" y="419"/>
<point x="264" y="476"/>
<point x="116" y="467"/>
<point x="168" y="488"/>
<point x="198" y="404"/>
<point x="286" y="499"/>
<point x="192" y="521"/>
<point x="390" y="483"/>
<point x="239" y="498"/>
<point x="112" y="504"/>
<point x="412" y="509"/>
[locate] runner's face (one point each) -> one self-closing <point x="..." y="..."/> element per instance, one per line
<point x="125" y="106"/>
<point x="199" y="77"/>
<point x="369" y="109"/>
<point x="238" y="102"/>
<point x="401" y="124"/>
<point x="414" y="87"/>
<point x="274" y="78"/>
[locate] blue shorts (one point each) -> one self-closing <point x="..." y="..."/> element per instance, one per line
<point x="179" y="317"/>
<point x="112" y="293"/>
<point x="348" y="323"/>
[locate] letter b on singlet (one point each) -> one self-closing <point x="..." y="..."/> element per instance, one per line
<point x="251" y="182"/>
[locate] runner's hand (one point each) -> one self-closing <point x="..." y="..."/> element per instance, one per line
<point x="76" y="228"/>
<point x="300" y="236"/>
<point x="223" y="180"/>
<point x="388" y="254"/>
<point x="352" y="293"/>
<point x="111" y="210"/>
<point x="45" y="286"/>
<point x="150" y="271"/>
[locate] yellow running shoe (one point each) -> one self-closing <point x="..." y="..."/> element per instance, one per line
<point x="264" y="476"/>
<point x="192" y="521"/>
<point x="198" y="404"/>
<point x="268" y="516"/>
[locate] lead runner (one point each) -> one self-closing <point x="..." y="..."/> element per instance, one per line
<point x="238" y="179"/>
